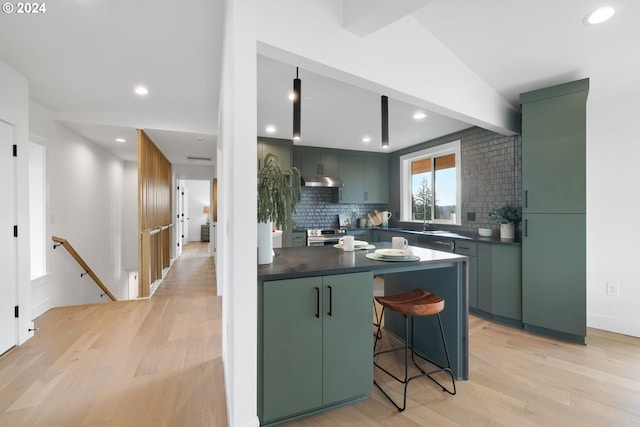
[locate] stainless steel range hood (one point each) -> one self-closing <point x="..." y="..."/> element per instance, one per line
<point x="322" y="181"/>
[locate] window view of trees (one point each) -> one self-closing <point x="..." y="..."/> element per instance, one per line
<point x="433" y="183"/>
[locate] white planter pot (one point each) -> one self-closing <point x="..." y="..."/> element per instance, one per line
<point x="265" y="243"/>
<point x="508" y="231"/>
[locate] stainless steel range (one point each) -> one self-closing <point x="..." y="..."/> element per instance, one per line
<point x="324" y="237"/>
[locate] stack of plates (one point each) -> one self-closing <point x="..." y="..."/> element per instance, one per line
<point x="393" y="255"/>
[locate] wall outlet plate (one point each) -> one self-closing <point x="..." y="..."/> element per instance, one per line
<point x="613" y="289"/>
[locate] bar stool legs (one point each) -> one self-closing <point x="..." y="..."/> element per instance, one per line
<point x="409" y="346"/>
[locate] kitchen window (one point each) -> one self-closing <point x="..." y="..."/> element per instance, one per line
<point x="430" y="185"/>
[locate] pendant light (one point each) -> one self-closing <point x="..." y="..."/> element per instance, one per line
<point x="297" y="99"/>
<point x="385" y="121"/>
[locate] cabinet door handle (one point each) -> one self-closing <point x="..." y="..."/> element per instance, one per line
<point x="330" y="300"/>
<point x="526" y="198"/>
<point x="366" y="195"/>
<point x="317" y="302"/>
<point x="526" y="228"/>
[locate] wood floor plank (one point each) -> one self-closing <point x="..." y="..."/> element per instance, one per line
<point x="152" y="362"/>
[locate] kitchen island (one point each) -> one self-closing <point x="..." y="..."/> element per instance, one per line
<point x="314" y="323"/>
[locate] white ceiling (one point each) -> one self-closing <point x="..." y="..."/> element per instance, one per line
<point x="83" y="58"/>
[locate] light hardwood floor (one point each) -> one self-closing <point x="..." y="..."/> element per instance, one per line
<point x="516" y="379"/>
<point x="157" y="363"/>
<point x="150" y="362"/>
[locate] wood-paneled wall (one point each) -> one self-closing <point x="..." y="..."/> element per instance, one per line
<point x="154" y="213"/>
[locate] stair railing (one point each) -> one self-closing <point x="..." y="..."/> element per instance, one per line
<point x="87" y="270"/>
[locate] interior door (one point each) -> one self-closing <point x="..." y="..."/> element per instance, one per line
<point x="8" y="331"/>
<point x="184" y="221"/>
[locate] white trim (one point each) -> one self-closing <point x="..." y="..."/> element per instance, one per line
<point x="405" y="178"/>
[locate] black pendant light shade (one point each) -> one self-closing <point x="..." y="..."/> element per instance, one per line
<point x="384" y="101"/>
<point x="297" y="98"/>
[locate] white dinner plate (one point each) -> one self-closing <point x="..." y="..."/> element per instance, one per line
<point x="394" y="253"/>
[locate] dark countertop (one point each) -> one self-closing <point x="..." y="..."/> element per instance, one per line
<point x="445" y="234"/>
<point x="290" y="263"/>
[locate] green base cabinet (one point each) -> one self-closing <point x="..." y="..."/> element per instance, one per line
<point x="315" y="345"/>
<point x="470" y="249"/>
<point x="554" y="275"/>
<point x="499" y="282"/>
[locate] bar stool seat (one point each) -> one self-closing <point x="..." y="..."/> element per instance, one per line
<point x="417" y="302"/>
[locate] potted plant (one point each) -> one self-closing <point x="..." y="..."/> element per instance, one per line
<point x="278" y="191"/>
<point x="508" y="216"/>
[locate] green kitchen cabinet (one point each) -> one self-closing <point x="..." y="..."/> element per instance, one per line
<point x="314" y="343"/>
<point x="316" y="161"/>
<point x="351" y="169"/>
<point x="376" y="179"/>
<point x="282" y="149"/>
<point x="365" y="178"/>
<point x="469" y="249"/>
<point x="279" y="147"/>
<point x="554" y="224"/>
<point x="499" y="282"/>
<point x="298" y="239"/>
<point x="554" y="275"/>
<point x="554" y="149"/>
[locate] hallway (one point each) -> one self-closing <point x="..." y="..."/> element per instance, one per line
<point x="153" y="362"/>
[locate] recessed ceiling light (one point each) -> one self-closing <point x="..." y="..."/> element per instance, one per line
<point x="270" y="129"/>
<point x="366" y="139"/>
<point x="599" y="15"/>
<point x="121" y="140"/>
<point x="141" y="90"/>
<point x="419" y="115"/>
<point x="199" y="139"/>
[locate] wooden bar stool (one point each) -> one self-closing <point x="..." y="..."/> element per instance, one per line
<point x="410" y="304"/>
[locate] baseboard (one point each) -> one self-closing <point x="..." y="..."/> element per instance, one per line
<point x="613" y="324"/>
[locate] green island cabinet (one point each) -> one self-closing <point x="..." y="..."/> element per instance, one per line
<point x="554" y="208"/>
<point x="315" y="345"/>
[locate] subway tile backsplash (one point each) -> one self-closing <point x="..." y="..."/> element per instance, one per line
<point x="317" y="209"/>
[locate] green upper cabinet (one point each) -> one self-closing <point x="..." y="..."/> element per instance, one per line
<point x="353" y="177"/>
<point x="279" y="147"/>
<point x="315" y="161"/>
<point x="282" y="149"/>
<point x="365" y="177"/>
<point x="554" y="149"/>
<point x="376" y="182"/>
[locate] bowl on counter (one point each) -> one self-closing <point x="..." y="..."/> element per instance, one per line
<point x="485" y="232"/>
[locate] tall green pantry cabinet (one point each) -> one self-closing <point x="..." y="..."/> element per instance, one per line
<point x="554" y="210"/>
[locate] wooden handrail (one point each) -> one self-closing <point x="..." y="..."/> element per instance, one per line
<point x="83" y="264"/>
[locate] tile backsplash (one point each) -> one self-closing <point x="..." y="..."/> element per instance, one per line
<point x="317" y="209"/>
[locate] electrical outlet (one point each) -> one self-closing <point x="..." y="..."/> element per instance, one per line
<point x="613" y="289"/>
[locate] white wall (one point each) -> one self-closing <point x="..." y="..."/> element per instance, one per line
<point x="85" y="194"/>
<point x="613" y="176"/>
<point x="199" y="196"/>
<point x="14" y="104"/>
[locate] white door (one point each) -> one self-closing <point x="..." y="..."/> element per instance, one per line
<point x="8" y="322"/>
<point x="184" y="220"/>
<point x="178" y="226"/>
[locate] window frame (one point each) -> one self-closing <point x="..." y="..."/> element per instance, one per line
<point x="453" y="147"/>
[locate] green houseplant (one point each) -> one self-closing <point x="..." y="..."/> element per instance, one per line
<point x="508" y="216"/>
<point x="278" y="191"/>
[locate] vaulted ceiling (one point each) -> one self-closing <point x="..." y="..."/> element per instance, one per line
<point x="83" y="59"/>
